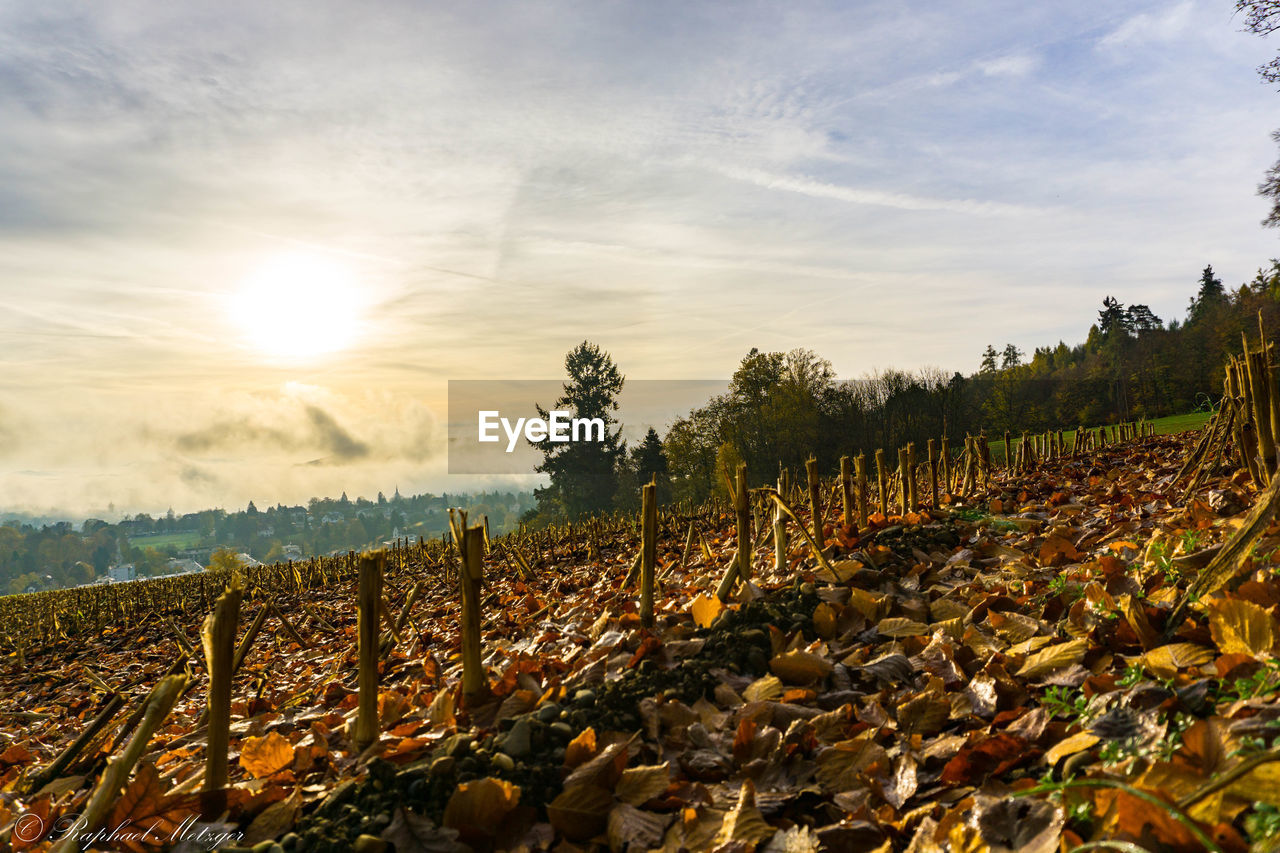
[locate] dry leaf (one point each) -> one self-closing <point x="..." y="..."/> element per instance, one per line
<point x="263" y="756"/>
<point x="705" y="608"/>
<point x="1240" y="626"/>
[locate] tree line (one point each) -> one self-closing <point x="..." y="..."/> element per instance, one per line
<point x="782" y="408"/>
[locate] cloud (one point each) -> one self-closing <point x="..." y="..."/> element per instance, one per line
<point x="1013" y="65"/>
<point x="1149" y="27"/>
<point x="878" y="198"/>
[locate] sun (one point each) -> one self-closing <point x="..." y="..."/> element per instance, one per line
<point x="298" y="305"/>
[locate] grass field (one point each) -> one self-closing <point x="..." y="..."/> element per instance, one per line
<point x="164" y="540"/>
<point x="1164" y="426"/>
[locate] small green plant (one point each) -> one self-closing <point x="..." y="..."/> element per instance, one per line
<point x="1263" y="823"/>
<point x="1061" y="586"/>
<point x="1065" y="702"/>
<point x="1262" y="682"/>
<point x="1132" y="675"/>
<point x="1191" y="540"/>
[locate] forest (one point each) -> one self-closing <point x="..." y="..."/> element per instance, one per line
<point x="782" y="408"/>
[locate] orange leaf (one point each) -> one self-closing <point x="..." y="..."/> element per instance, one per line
<point x="582" y="748"/>
<point x="705" y="608"/>
<point x="263" y="756"/>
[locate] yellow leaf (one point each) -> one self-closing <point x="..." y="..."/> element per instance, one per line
<point x="799" y="667"/>
<point x="1166" y="660"/>
<point x="705" y="608"/>
<point x="1054" y="657"/>
<point x="1261" y="784"/>
<point x="869" y="604"/>
<point x="1078" y="742"/>
<point x="1240" y="626"/>
<point x="763" y="689"/>
<point x="263" y="756"/>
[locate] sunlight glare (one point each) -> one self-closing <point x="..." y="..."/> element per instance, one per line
<point x="298" y="305"/>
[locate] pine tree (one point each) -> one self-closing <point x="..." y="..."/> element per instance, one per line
<point x="1113" y="318"/>
<point x="584" y="474"/>
<point x="989" y="356"/>
<point x="1211" y="295"/>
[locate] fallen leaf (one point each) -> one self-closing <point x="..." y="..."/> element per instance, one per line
<point x="705" y="608"/>
<point x="1240" y="626"/>
<point x="264" y="756"/>
<point x="1054" y="657"/>
<point x="580" y="812"/>
<point x="800" y="667"/>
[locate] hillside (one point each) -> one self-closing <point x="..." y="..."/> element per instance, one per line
<point x="999" y="673"/>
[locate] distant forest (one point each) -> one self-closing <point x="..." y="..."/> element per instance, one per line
<point x="782" y="408"/>
<point x="62" y="554"/>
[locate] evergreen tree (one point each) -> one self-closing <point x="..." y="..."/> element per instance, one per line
<point x="1211" y="295"/>
<point x="649" y="458"/>
<point x="1011" y="357"/>
<point x="989" y="356"/>
<point x="584" y="474"/>
<point x="1141" y="319"/>
<point x="1113" y="318"/>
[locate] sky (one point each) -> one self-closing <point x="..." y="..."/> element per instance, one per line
<point x="244" y="246"/>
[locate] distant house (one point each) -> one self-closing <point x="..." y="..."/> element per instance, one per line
<point x="183" y="566"/>
<point x="121" y="573"/>
<point x="248" y="561"/>
<point x="291" y="552"/>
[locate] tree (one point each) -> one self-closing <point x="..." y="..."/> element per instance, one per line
<point x="1262" y="17"/>
<point x="989" y="356"/>
<point x="584" y="474"/>
<point x="1011" y="357"/>
<point x="224" y="558"/>
<point x="1113" y="319"/>
<point x="1141" y="319"/>
<point x="1210" y="296"/>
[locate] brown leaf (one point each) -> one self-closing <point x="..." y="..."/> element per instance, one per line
<point x="840" y="767"/>
<point x="263" y="756"/>
<point x="745" y="823"/>
<point x="630" y="828"/>
<point x="580" y="812"/>
<point x="410" y="832"/>
<point x="478" y="808"/>
<point x="989" y="757"/>
<point x="273" y="821"/>
<point x="640" y="784"/>
<point x="1057" y="549"/>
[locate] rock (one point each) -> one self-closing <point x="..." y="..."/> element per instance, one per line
<point x="456" y="745"/>
<point x="443" y="765"/>
<point x="705" y="765"/>
<point x="504" y="762"/>
<point x="549" y="712"/>
<point x="369" y="844"/>
<point x="584" y="698"/>
<point x="516" y="743"/>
